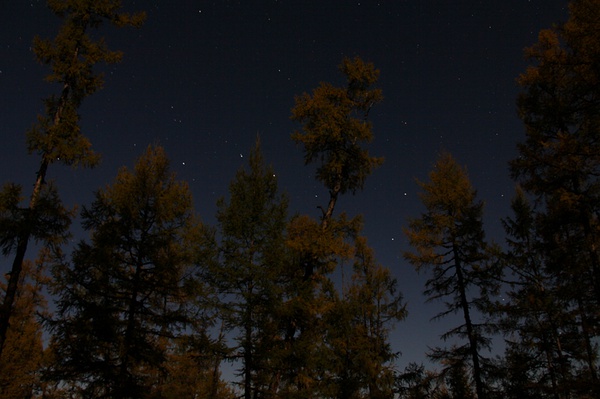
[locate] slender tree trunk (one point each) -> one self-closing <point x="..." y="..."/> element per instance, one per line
<point x="590" y="352"/>
<point x="469" y="324"/>
<point x="333" y="196"/>
<point x="309" y="265"/>
<point x="248" y="353"/>
<point x="125" y="352"/>
<point x="565" y="386"/>
<point x="214" y="384"/>
<point x="549" y="359"/>
<point x="23" y="239"/>
<point x="552" y="372"/>
<point x="17" y="266"/>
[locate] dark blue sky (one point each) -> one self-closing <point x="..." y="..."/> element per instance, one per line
<point x="202" y="78"/>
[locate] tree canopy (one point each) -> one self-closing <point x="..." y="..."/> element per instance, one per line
<point x="152" y="303"/>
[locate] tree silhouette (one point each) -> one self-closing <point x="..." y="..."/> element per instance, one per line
<point x="56" y="137"/>
<point x="250" y="275"/>
<point x="559" y="163"/>
<point x="124" y="297"/>
<point x="449" y="239"/>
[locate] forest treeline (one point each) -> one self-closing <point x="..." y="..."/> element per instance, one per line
<point x="155" y="302"/>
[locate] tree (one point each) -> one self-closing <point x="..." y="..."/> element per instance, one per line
<point x="336" y="128"/>
<point x="559" y="161"/>
<point x="250" y="276"/>
<point x="19" y="368"/>
<point x="124" y="296"/>
<point x="521" y="374"/>
<point x="449" y="239"/>
<point x="357" y="347"/>
<point x="57" y="137"/>
<point x="309" y="299"/>
<point x="417" y="383"/>
<point x="192" y="374"/>
<point x="335" y="132"/>
<point x="536" y="317"/>
<point x="457" y="380"/>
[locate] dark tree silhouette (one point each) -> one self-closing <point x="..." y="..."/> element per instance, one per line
<point x="57" y="137"/>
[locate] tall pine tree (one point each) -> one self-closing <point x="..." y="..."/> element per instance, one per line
<point x="336" y="129"/>
<point x="124" y="295"/>
<point x="251" y="273"/>
<point x="335" y="132"/>
<point x="542" y="349"/>
<point x="559" y="164"/>
<point x="448" y="238"/>
<point x="357" y="351"/>
<point x="56" y="137"/>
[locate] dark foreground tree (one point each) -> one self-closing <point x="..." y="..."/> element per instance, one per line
<point x="358" y="357"/>
<point x="123" y="298"/>
<point x="251" y="271"/>
<point x="542" y="345"/>
<point x="414" y="382"/>
<point x="19" y="368"/>
<point x="308" y="299"/>
<point x="449" y="239"/>
<point x="190" y="373"/>
<point x="559" y="164"/>
<point x="56" y="137"/>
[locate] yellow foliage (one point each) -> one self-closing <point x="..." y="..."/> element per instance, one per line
<point x="22" y="354"/>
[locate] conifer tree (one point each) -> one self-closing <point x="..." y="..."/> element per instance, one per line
<point x="335" y="133"/>
<point x="417" y="383"/>
<point x="250" y="275"/>
<point x="448" y="238"/>
<point x="559" y="160"/>
<point x="536" y="317"/>
<point x="19" y="368"/>
<point x="308" y="299"/>
<point x="124" y="295"/>
<point x="457" y="380"/>
<point x="56" y="137"/>
<point x="357" y="348"/>
<point x="192" y="374"/>
<point x="336" y="130"/>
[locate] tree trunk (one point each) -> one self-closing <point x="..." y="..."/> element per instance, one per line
<point x="125" y="352"/>
<point x="17" y="266"/>
<point x="469" y="325"/>
<point x="248" y="352"/>
<point x="23" y="240"/>
<point x="333" y="196"/>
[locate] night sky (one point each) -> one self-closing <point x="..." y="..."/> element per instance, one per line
<point x="203" y="78"/>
